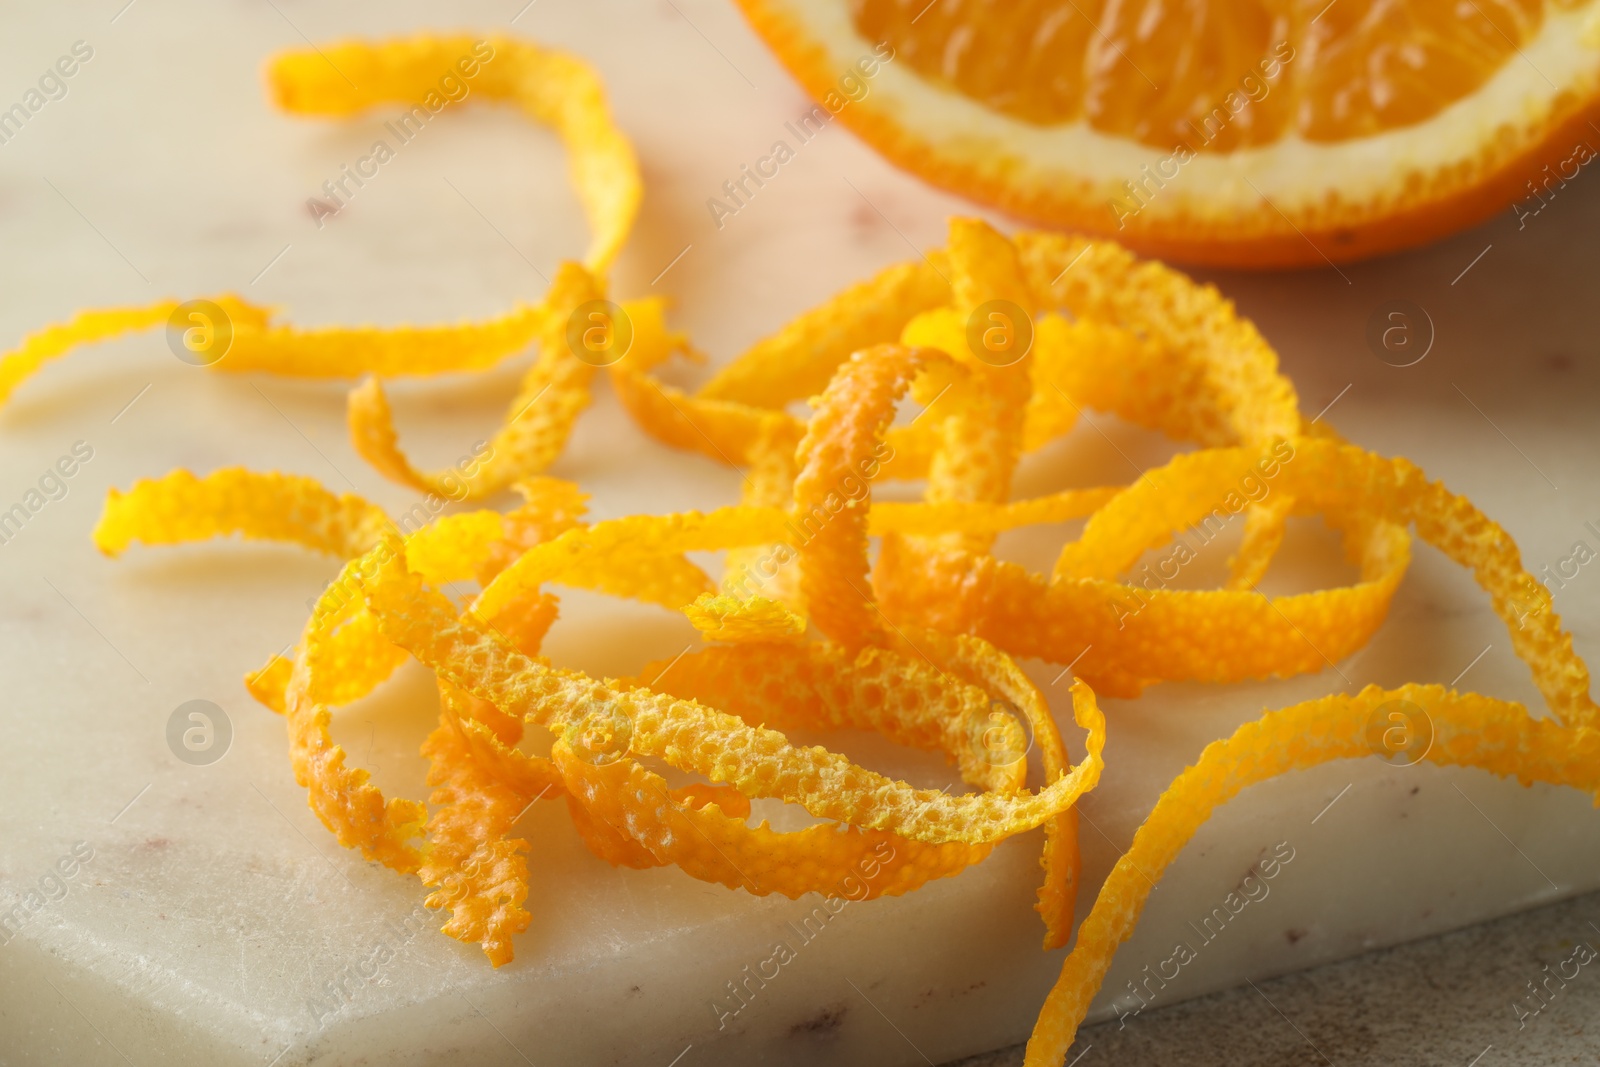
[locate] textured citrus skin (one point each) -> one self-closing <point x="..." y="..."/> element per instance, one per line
<point x="553" y="392"/>
<point x="840" y="439"/>
<point x="756" y="621"/>
<point x="549" y="87"/>
<point x="270" y="507"/>
<point x="1469" y="731"/>
<point x="480" y="873"/>
<point x="470" y="654"/>
<point x="481" y="783"/>
<point x="85" y="328"/>
<point x="911" y="696"/>
<point x="1121" y="636"/>
<point x="1141" y="341"/>
<point x="1419" y="205"/>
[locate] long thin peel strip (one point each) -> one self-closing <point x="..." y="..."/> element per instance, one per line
<point x="479" y="872"/>
<point x="182" y="507"/>
<point x="553" y="88"/>
<point x="343" y="797"/>
<point x="838" y="458"/>
<point x="889" y="693"/>
<point x="712" y="846"/>
<point x="1469" y="731"/>
<point x="428" y="72"/>
<point x="553" y="392"/>
<point x="86" y="327"/>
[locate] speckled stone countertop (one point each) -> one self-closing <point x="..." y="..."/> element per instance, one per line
<point x="1461" y="1000"/>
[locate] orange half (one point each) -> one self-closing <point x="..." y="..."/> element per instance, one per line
<point x="1231" y="132"/>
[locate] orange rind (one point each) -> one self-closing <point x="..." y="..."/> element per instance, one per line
<point x="548" y="86"/>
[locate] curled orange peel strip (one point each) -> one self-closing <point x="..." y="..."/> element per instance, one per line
<point x="471" y="655"/>
<point x="731" y="526"/>
<point x="1122" y="635"/>
<point x="1143" y="341"/>
<point x="479" y="872"/>
<point x="1469" y="731"/>
<point x="839" y="446"/>
<point x="468" y="653"/>
<point x="1179" y="360"/>
<point x="786" y="686"/>
<point x="470" y="546"/>
<point x="554" y="391"/>
<point x="887" y="692"/>
<point x="981" y="444"/>
<point x="713" y="846"/>
<point x="1224" y="635"/>
<point x="550" y="87"/>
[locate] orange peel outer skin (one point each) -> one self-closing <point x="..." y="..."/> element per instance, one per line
<point x="182" y="507"/>
<point x="343" y="797"/>
<point x="1469" y="730"/>
<point x="713" y="846"/>
<point x="551" y="87"/>
<point x="839" y="449"/>
<point x="554" y="391"/>
<point x="480" y="874"/>
<point x="759" y="762"/>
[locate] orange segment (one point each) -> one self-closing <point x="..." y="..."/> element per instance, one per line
<point x="1147" y="70"/>
<point x="1374" y="65"/>
<point x="1136" y="69"/>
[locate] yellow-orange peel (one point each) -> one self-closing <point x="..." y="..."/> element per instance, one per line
<point x="428" y="73"/>
<point x="1468" y="730"/>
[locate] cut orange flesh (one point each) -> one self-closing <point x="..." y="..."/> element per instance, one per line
<point x="1244" y="133"/>
<point x="1361" y="67"/>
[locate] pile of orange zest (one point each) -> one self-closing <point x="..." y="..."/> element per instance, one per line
<point x="550" y="87"/>
<point x="344" y="656"/>
<point x="719" y="713"/>
<point x="637" y="821"/>
<point x="1130" y="337"/>
<point x="469" y="652"/>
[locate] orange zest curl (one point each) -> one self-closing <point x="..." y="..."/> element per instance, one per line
<point x="235" y="336"/>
